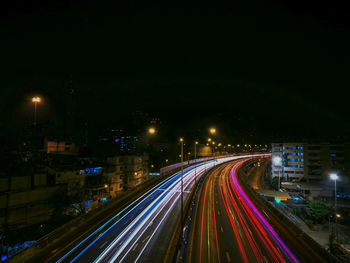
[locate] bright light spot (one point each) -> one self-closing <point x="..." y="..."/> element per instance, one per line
<point x="277" y="160"/>
<point x="151" y="130"/>
<point x="36" y="99"/>
<point x="278" y="200"/>
<point x="334" y="176"/>
<point x="212" y="130"/>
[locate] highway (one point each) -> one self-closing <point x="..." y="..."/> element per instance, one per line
<point x="229" y="228"/>
<point x="142" y="231"/>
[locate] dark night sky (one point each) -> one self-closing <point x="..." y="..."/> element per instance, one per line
<point x="282" y="66"/>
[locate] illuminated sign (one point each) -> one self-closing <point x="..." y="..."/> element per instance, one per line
<point x="95" y="170"/>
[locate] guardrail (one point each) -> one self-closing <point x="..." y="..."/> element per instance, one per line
<point x="199" y="160"/>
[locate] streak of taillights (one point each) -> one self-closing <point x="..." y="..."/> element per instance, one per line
<point x="235" y="230"/>
<point x="216" y="234"/>
<point x="286" y="250"/>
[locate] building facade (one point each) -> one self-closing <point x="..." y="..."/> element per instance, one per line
<point x="312" y="162"/>
<point x="291" y="166"/>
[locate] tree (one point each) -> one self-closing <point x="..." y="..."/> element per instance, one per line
<point x="274" y="182"/>
<point x="318" y="211"/>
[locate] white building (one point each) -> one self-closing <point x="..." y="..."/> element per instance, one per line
<point x="291" y="166"/>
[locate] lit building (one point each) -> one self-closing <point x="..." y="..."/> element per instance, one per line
<point x="291" y="166"/>
<point x="59" y="147"/>
<point x="132" y="168"/>
<point x="312" y="162"/>
<point x="323" y="158"/>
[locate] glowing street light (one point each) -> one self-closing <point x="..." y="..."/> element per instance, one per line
<point x="35" y="100"/>
<point x="335" y="177"/>
<point x="152" y="130"/>
<point x="277" y="162"/>
<point x="212" y="130"/>
<point x="209" y="139"/>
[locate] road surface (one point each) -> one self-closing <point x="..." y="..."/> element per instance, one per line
<point x="142" y="231"/>
<point x="229" y="228"/>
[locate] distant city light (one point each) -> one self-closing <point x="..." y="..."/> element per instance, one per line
<point x="212" y="130"/>
<point x="116" y="140"/>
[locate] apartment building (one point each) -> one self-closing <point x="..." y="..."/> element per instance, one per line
<point x="291" y="165"/>
<point x="311" y="162"/>
<point x="133" y="169"/>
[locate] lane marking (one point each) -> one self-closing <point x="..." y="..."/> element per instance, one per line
<point x="218" y="212"/>
<point x="145" y="239"/>
<point x="222" y="230"/>
<point x="228" y="257"/>
<point x="135" y="247"/>
<point x="103" y="244"/>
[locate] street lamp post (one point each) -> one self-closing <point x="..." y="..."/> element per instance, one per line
<point x="212" y="131"/>
<point x="182" y="154"/>
<point x="195" y="165"/>
<point x="35" y="100"/>
<point x="335" y="177"/>
<point x="277" y="161"/>
<point x="213" y="150"/>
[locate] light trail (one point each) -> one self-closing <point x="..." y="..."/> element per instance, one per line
<point x="262" y="221"/>
<point x="136" y="218"/>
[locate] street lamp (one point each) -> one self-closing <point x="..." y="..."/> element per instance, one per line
<point x="35" y="100"/>
<point x="182" y="159"/>
<point x="212" y="130"/>
<point x="151" y="130"/>
<point x="277" y="162"/>
<point x="335" y="177"/>
<point x="212" y="148"/>
<point x="195" y="165"/>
